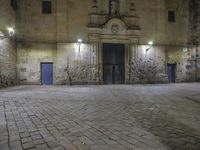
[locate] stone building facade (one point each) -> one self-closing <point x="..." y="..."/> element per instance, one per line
<point x="172" y="25"/>
<point x="8" y="55"/>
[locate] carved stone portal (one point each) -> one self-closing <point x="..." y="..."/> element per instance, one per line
<point x="112" y="25"/>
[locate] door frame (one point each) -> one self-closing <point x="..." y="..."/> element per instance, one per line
<point x="124" y="65"/>
<point x="41" y="70"/>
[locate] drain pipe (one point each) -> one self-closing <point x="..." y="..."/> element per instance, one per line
<point x="196" y="61"/>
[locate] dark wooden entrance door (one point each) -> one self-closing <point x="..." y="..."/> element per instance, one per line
<point x="171" y="71"/>
<point x="47" y="73"/>
<point x="113" y="60"/>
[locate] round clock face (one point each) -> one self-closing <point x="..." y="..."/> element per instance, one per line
<point x="114" y="28"/>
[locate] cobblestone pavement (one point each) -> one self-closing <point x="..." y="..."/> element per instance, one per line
<point x="113" y="117"/>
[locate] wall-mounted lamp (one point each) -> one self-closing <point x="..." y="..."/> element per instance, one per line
<point x="149" y="46"/>
<point x="79" y="42"/>
<point x="8" y="33"/>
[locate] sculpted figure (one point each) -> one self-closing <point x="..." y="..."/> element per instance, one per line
<point x="114" y="7"/>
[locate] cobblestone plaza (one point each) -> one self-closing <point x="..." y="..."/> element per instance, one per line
<point x="113" y="117"/>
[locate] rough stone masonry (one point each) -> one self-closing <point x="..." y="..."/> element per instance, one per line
<point x="43" y="36"/>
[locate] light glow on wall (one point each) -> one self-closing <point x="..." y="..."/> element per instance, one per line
<point x="150" y="43"/>
<point x="11" y="31"/>
<point x="80" y="40"/>
<point x="149" y="46"/>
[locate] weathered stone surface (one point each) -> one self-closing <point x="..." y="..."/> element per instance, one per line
<point x="7" y="46"/>
<point x="84" y="66"/>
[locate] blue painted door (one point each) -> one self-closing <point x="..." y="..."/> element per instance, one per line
<point x="171" y="71"/>
<point x="47" y="73"/>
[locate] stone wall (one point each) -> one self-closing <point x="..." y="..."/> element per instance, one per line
<point x="7" y="46"/>
<point x="7" y="63"/>
<point x="185" y="60"/>
<point x="52" y="37"/>
<point x="69" y="20"/>
<point x="29" y="59"/>
<point x="147" y="66"/>
<point x="72" y="65"/>
<point x="83" y="65"/>
<point x="77" y="65"/>
<point x="151" y="66"/>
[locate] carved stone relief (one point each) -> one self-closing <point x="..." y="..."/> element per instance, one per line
<point x="112" y="24"/>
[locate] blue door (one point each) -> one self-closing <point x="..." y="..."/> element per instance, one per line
<point x="171" y="71"/>
<point x="47" y="73"/>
